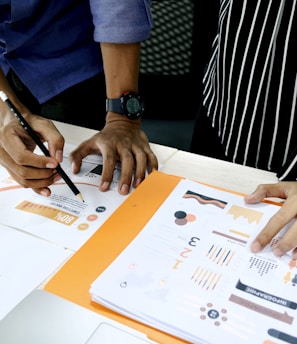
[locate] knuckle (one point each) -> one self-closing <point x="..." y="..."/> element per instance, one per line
<point x="264" y="238"/>
<point x="280" y="218"/>
<point x="20" y="172"/>
<point x="285" y="246"/>
<point x="20" y="159"/>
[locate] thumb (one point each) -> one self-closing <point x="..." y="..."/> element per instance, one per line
<point x="255" y="197"/>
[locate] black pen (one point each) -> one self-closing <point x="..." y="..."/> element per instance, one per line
<point x="39" y="143"/>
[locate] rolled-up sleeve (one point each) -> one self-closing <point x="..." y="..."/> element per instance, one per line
<point x="121" y="21"/>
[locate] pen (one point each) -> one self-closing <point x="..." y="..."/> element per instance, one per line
<point x="39" y="143"/>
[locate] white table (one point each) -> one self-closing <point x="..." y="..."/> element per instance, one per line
<point x="200" y="168"/>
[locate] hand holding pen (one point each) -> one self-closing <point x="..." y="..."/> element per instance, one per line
<point x="30" y="174"/>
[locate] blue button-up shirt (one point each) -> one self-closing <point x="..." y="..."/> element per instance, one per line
<point x="53" y="44"/>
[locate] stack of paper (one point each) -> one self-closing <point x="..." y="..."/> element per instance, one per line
<point x="189" y="272"/>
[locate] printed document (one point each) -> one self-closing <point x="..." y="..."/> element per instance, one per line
<point x="190" y="272"/>
<point x="61" y="218"/>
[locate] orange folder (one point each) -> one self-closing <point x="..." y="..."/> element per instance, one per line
<point x="74" y="279"/>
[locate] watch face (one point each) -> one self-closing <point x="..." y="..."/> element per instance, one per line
<point x="134" y="106"/>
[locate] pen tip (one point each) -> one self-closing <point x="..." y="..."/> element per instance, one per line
<point x="80" y="197"/>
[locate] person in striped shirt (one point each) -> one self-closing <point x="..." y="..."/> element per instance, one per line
<point x="248" y="110"/>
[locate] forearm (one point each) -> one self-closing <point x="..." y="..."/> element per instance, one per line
<point x="5" y="114"/>
<point x="121" y="67"/>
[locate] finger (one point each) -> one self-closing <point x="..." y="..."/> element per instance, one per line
<point x="43" y="191"/>
<point x="266" y="190"/>
<point x="48" y="132"/>
<point x="17" y="152"/>
<point x="140" y="168"/>
<point x="29" y="159"/>
<point x="84" y="149"/>
<point x="283" y="216"/>
<point x="32" y="178"/>
<point x="146" y="161"/>
<point x="287" y="242"/>
<point x="109" y="163"/>
<point x="127" y="168"/>
<point x="127" y="171"/>
<point x="23" y="172"/>
<point x="152" y="161"/>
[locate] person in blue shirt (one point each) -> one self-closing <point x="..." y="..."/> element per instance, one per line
<point x="60" y="60"/>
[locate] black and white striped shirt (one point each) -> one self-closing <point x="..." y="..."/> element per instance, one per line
<point x="250" y="84"/>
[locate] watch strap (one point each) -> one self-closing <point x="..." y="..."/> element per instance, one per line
<point x="114" y="105"/>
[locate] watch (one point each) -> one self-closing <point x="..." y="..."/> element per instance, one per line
<point x="130" y="104"/>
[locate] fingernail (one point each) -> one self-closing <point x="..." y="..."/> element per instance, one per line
<point x="50" y="165"/>
<point x="138" y="181"/>
<point x="57" y="178"/>
<point x="44" y="193"/>
<point x="277" y="252"/>
<point x="105" y="186"/>
<point x="250" y="196"/>
<point x="59" y="155"/>
<point x="256" y="247"/>
<point x="125" y="189"/>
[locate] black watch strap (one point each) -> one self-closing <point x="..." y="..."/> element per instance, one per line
<point x="115" y="105"/>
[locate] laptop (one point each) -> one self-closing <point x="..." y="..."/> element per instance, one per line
<point x="45" y="318"/>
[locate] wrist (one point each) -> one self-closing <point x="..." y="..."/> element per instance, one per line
<point x="117" y="117"/>
<point x="7" y="116"/>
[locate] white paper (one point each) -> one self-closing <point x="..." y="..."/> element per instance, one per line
<point x="190" y="272"/>
<point x="25" y="263"/>
<point x="61" y="218"/>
